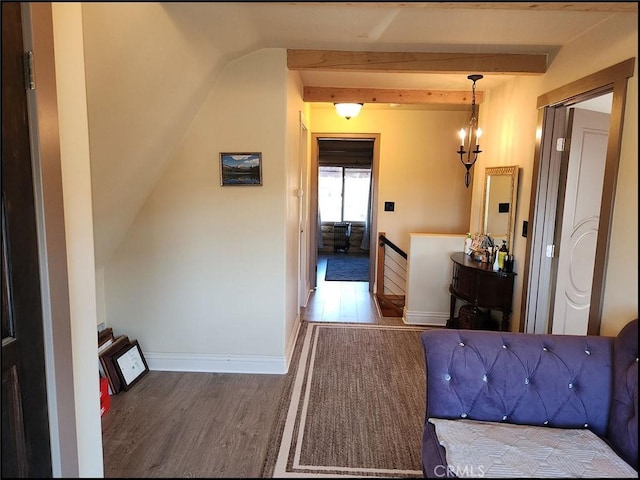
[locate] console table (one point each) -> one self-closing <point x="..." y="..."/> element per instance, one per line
<point x="480" y="286"/>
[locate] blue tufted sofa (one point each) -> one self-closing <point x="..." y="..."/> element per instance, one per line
<point x="563" y="381"/>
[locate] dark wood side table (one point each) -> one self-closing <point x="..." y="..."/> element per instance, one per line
<point x="480" y="286"/>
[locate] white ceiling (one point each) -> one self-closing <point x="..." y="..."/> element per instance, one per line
<point x="150" y="65"/>
<point x="454" y="27"/>
<point x="602" y="104"/>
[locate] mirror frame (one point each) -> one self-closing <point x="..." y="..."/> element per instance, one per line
<point x="511" y="171"/>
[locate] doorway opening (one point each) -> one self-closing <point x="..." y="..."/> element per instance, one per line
<point x="343" y="200"/>
<point x="554" y="203"/>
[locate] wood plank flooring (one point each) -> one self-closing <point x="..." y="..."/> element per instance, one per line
<point x="214" y="425"/>
<point x="197" y="425"/>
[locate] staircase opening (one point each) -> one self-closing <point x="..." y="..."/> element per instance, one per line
<point x="391" y="278"/>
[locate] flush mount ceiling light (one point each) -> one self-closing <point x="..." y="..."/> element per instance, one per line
<point x="348" y="110"/>
<point x="471" y="133"/>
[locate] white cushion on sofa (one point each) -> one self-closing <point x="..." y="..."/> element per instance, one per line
<point x="503" y="450"/>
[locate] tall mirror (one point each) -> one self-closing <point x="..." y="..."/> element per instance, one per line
<point x="499" y="203"/>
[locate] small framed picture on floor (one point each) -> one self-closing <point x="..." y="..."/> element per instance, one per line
<point x="130" y="365"/>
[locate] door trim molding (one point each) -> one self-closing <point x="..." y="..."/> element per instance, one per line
<point x="612" y="79"/>
<point x="45" y="145"/>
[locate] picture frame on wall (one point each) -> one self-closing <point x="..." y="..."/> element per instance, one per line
<point x="130" y="365"/>
<point x="242" y="168"/>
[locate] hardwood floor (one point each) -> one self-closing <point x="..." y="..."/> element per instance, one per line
<point x="198" y="425"/>
<point x="342" y="301"/>
<point x="214" y="425"/>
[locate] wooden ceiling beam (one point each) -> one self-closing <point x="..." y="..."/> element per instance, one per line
<point x="616" y="7"/>
<point x="417" y="62"/>
<point x="378" y="95"/>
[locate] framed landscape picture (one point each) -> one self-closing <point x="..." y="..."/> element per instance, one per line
<point x="241" y="168"/>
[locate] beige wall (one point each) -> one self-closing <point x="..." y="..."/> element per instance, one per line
<point x="419" y="170"/>
<point x="140" y="103"/>
<point x="201" y="278"/>
<point x="509" y="115"/>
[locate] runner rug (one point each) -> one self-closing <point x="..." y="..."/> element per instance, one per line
<point x="356" y="404"/>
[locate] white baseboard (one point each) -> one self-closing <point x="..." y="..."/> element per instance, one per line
<point x="431" y="319"/>
<point x="308" y="296"/>
<point x="187" y="362"/>
<point x="291" y="341"/>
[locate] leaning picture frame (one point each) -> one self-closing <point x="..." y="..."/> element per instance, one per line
<point x="241" y="168"/>
<point x="130" y="365"/>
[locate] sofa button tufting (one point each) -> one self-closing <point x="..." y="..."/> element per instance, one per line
<point x="464" y="415"/>
<point x="461" y="344"/>
<point x="504" y="346"/>
<point x="587" y="352"/>
<point x="504" y="418"/>
<point x="526" y="381"/>
<point x="484" y="378"/>
<point x="571" y="385"/>
<point x="447" y="377"/>
<point x="546" y="422"/>
<point x="586" y="425"/>
<point x="544" y="349"/>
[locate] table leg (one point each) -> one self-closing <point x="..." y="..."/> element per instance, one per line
<point x="452" y="310"/>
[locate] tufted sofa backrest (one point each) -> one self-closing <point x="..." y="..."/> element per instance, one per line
<point x="623" y="422"/>
<point x="555" y="380"/>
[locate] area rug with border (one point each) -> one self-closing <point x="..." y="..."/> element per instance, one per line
<point x="355" y="406"/>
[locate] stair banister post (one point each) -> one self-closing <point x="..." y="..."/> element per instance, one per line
<point x="380" y="265"/>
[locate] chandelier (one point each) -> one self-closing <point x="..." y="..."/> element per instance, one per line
<point x="471" y="134"/>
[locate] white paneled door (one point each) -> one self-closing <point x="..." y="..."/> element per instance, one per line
<point x="580" y="218"/>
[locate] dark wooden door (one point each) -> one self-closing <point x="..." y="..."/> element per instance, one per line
<point x="26" y="449"/>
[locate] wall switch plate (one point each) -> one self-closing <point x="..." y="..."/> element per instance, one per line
<point x="389" y="206"/>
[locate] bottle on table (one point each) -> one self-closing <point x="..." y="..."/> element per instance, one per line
<point x="467" y="244"/>
<point x="508" y="263"/>
<point x="502" y="253"/>
<point x="496" y="258"/>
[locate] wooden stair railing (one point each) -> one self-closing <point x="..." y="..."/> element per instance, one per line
<point x="391" y="277"/>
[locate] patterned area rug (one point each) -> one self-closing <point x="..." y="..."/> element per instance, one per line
<point x="347" y="269"/>
<point x="356" y="404"/>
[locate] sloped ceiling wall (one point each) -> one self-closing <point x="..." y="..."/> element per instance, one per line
<point x="149" y="67"/>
